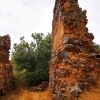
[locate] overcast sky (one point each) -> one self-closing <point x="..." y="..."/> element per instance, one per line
<point x="24" y="17"/>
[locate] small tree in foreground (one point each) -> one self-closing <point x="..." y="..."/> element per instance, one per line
<point x="31" y="59"/>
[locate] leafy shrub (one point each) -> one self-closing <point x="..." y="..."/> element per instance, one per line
<point x="31" y="59"/>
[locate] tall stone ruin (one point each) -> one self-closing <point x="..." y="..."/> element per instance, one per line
<point x="75" y="64"/>
<point x="6" y="68"/>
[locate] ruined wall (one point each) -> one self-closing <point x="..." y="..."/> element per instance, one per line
<point x="75" y="64"/>
<point x="5" y="65"/>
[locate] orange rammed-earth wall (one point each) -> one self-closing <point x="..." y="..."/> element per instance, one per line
<point x="75" y="64"/>
<point x="6" y="68"/>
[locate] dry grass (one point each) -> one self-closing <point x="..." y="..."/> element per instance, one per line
<point x="94" y="94"/>
<point x="22" y="94"/>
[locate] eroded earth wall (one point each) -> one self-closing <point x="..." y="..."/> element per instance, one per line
<point x="5" y="65"/>
<point x="75" y="64"/>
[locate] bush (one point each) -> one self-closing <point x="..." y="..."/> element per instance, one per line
<point x="31" y="59"/>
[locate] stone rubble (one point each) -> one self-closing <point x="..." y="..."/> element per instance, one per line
<point x="42" y="87"/>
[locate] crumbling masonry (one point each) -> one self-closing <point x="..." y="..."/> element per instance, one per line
<point x="5" y="65"/>
<point x="75" y="64"/>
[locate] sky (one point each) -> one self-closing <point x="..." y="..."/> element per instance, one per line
<point x="23" y="17"/>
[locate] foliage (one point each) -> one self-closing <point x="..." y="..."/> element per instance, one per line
<point x="97" y="46"/>
<point x="31" y="59"/>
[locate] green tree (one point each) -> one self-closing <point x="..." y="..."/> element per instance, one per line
<point x="43" y="54"/>
<point x="31" y="59"/>
<point x="97" y="46"/>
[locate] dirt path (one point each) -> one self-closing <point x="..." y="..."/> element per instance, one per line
<point x="22" y="94"/>
<point x="35" y="96"/>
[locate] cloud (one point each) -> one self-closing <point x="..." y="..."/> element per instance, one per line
<point x="93" y="16"/>
<point x="24" y="17"/>
<point x="27" y="14"/>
